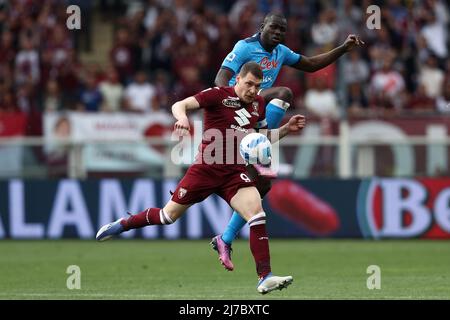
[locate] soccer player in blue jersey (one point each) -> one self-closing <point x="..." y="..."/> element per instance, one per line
<point x="266" y="48"/>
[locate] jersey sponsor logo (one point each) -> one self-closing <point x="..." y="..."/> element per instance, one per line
<point x="238" y="128"/>
<point x="243" y="116"/>
<point x="255" y="106"/>
<point x="267" y="64"/>
<point x="231" y="102"/>
<point x="230" y="57"/>
<point x="181" y="193"/>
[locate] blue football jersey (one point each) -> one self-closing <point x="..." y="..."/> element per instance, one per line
<point x="250" y="49"/>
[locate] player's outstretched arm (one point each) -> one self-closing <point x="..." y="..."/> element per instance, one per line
<point x="295" y="124"/>
<point x="179" y="108"/>
<point x="312" y="64"/>
<point x="223" y="77"/>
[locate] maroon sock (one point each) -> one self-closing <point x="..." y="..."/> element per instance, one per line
<point x="259" y="245"/>
<point x="150" y="216"/>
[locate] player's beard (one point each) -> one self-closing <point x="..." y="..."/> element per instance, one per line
<point x="249" y="99"/>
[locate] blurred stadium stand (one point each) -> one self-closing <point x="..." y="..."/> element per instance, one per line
<point x="161" y="51"/>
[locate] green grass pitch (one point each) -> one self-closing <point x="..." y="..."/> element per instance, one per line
<point x="149" y="269"/>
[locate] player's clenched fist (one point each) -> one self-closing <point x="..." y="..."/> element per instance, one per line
<point x="182" y="127"/>
<point x="296" y="123"/>
<point x="353" y="41"/>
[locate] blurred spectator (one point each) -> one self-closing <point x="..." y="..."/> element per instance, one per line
<point x="140" y="96"/>
<point x="112" y="91"/>
<point x="387" y="87"/>
<point x="90" y="96"/>
<point x="435" y="33"/>
<point x="52" y="98"/>
<point x="59" y="45"/>
<point x="357" y="100"/>
<point x="302" y="11"/>
<point x="94" y="70"/>
<point x="422" y="51"/>
<point x="200" y="28"/>
<point x="58" y="152"/>
<point x="162" y="42"/>
<point x="7" y="51"/>
<point x="182" y="12"/>
<point x="121" y="55"/>
<point x="266" y="6"/>
<point x="8" y="103"/>
<point x="356" y="69"/>
<point x="27" y="63"/>
<point x="354" y="15"/>
<point x="396" y="14"/>
<point x="381" y="49"/>
<point x="244" y="18"/>
<point x="189" y="83"/>
<point x="68" y="77"/>
<point x="321" y="101"/>
<point x="328" y="74"/>
<point x="431" y="77"/>
<point x="25" y="98"/>
<point x="162" y="87"/>
<point x="420" y="101"/>
<point x="293" y="38"/>
<point x="325" y="31"/>
<point x="225" y="42"/>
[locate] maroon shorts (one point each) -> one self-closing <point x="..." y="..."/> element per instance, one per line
<point x="202" y="180"/>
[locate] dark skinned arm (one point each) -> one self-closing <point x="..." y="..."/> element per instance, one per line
<point x="312" y="64"/>
<point x="223" y="77"/>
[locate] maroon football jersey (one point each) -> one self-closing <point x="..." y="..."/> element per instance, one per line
<point x="227" y="120"/>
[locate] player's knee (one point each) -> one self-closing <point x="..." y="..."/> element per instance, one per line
<point x="285" y="94"/>
<point x="252" y="207"/>
<point x="170" y="215"/>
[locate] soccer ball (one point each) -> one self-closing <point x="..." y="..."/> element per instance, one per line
<point x="255" y="148"/>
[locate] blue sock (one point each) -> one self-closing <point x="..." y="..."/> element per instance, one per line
<point x="275" y="111"/>
<point x="234" y="226"/>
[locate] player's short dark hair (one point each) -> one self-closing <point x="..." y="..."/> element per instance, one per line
<point x="272" y="15"/>
<point x="252" y="67"/>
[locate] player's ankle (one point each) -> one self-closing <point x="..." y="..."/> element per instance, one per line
<point x="124" y="223"/>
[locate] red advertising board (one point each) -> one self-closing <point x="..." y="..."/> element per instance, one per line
<point x="12" y="124"/>
<point x="404" y="208"/>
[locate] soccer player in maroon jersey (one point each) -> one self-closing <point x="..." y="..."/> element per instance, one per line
<point x="228" y="111"/>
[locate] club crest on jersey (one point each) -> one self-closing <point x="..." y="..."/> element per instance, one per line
<point x="181" y="193"/>
<point x="255" y="106"/>
<point x="231" y="57"/>
<point x="231" y="102"/>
